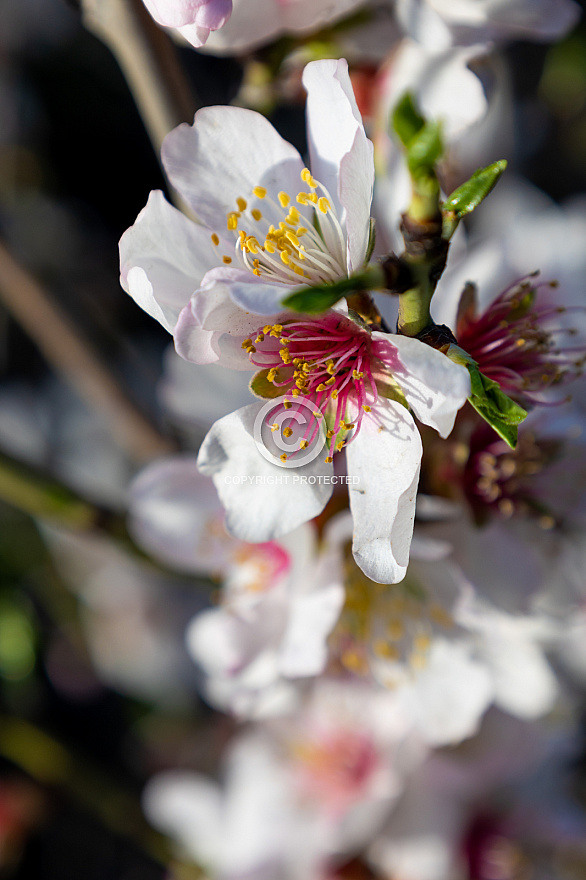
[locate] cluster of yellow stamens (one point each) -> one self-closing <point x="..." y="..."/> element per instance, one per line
<point x="379" y="622"/>
<point x="284" y="242"/>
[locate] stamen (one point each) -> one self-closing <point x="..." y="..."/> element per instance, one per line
<point x="215" y="239"/>
<point x="259" y="191"/>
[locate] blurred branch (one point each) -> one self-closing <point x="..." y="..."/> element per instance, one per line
<point x="149" y="61"/>
<point x="73" y="357"/>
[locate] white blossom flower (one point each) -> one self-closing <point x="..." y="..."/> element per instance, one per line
<point x="194" y="19"/>
<point x="277" y="604"/>
<point x="238" y="174"/>
<point x="298" y="794"/>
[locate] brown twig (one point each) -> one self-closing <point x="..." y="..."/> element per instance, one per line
<point x="73" y="357"/>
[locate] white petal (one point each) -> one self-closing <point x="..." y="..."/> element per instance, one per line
<point x="262" y="501"/>
<point x="170" y="505"/>
<point x="435" y="387"/>
<point x="385" y="457"/>
<point x="304" y="650"/>
<point x="450" y="694"/>
<point x="223" y="156"/>
<point x="163" y="258"/>
<point x="188" y="807"/>
<point x="335" y="133"/>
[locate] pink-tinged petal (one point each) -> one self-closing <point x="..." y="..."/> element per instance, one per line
<point x="170" y="507"/>
<point x="193" y="343"/>
<point x="385" y="457"/>
<point x="223" y="156"/>
<point x="435" y="387"/>
<point x="335" y="133"/>
<point x="262" y="501"/>
<point x="210" y="14"/>
<point x="304" y="650"/>
<point x="163" y="258"/>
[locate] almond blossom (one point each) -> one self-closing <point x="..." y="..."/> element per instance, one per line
<point x="194" y="19"/>
<point x="277" y="604"/>
<point x="240" y="178"/>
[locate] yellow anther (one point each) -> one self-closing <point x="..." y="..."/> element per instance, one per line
<point x="307" y="178"/>
<point x="215" y="239"/>
<point x="384" y="650"/>
<point x="272" y="374"/>
<point x="301" y="384"/>
<point x="422" y="643"/>
<point x="301" y="230"/>
<point x="311" y="197"/>
<point x="246" y="343"/>
<point x="298" y="270"/>
<point x="301" y="253"/>
<point x="340" y="445"/>
<point x="330" y="381"/>
<point x="283" y="457"/>
<point x="329" y="434"/>
<point x="226" y="260"/>
<point x="287" y="404"/>
<point x="232" y="220"/>
<point x="251" y="349"/>
<point x="285" y="258"/>
<point x="242" y="203"/>
<point x="330" y="367"/>
<point x="366" y="408"/>
<point x="302" y="198"/>
<point x="317" y="414"/>
<point x="269" y="246"/>
<point x="287" y="432"/>
<point x="285" y="356"/>
<point x="275" y="427"/>
<point x="284" y="199"/>
<point x="321" y="387"/>
<point x="257" y="272"/>
<point x="328" y="459"/>
<point x="260" y="338"/>
<point x="267" y="328"/>
<point x="293" y="216"/>
<point x="292" y="238"/>
<point x="349" y="425"/>
<point x="252" y="245"/>
<point x="357" y="374"/>
<point x="296" y="392"/>
<point x="256" y="263"/>
<point x="303" y="444"/>
<point x="323" y="204"/>
<point x="256" y="214"/>
<point x="334" y="394"/>
<point x="259" y="191"/>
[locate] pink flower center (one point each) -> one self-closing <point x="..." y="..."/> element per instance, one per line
<point x="330" y="361"/>
<point x="518" y="341"/>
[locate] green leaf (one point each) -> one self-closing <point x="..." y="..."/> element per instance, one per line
<point x="406" y="120"/>
<point x="468" y="196"/>
<point x="489" y="401"/>
<point x="424" y="149"/>
<point x="495" y="407"/>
